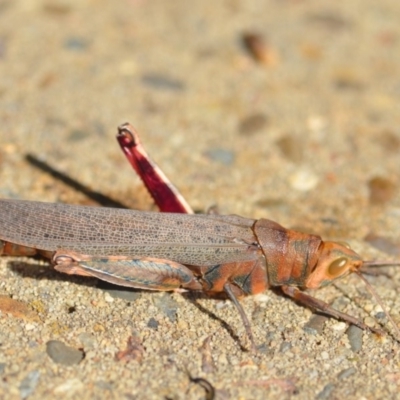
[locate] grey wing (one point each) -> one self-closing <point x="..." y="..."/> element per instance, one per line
<point x="189" y="239"/>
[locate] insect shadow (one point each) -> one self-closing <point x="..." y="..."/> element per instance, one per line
<point x="193" y="298"/>
<point x="40" y="272"/>
<point x="98" y="197"/>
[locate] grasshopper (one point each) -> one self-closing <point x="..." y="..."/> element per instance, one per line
<point x="177" y="249"/>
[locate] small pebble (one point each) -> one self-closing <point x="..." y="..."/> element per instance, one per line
<point x="30" y="327"/>
<point x="87" y="340"/>
<point x="325" y="355"/>
<point x="340" y="326"/>
<point x="259" y="49"/>
<point x="318" y="127"/>
<point x="263" y="348"/>
<point x="329" y="20"/>
<point x="57" y="9"/>
<point x="326" y="392"/>
<point x="347" y="79"/>
<point x="162" y="82"/>
<point x="108" y="298"/>
<point x="381" y="190"/>
<point x="183" y="325"/>
<point x="262" y="298"/>
<point x="28" y="384"/>
<point x="252" y="124"/>
<point x="76" y="135"/>
<point x="380" y="315"/>
<point x="378" y="308"/>
<point x="69" y="387"/>
<point x="354" y="334"/>
<point x="303" y="180"/>
<point x="389" y="141"/>
<point x="224" y="156"/>
<point x="278" y="204"/>
<point x="346" y="373"/>
<point x="368" y="308"/>
<point x="76" y="44"/>
<point x="104" y="385"/>
<point x="315" y="324"/>
<point x="291" y="147"/>
<point x="369" y="321"/>
<point x="152" y="323"/>
<point x="285" y="346"/>
<point x="311" y="52"/>
<point x="165" y="303"/>
<point x="63" y="354"/>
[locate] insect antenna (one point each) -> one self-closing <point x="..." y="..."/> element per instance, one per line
<point x="379" y="263"/>
<point x="370" y="267"/>
<point x="375" y="294"/>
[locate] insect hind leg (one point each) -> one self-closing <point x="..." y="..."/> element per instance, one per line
<point x="141" y="272"/>
<point x="164" y="193"/>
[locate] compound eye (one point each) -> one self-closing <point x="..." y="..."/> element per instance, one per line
<point x="337" y="266"/>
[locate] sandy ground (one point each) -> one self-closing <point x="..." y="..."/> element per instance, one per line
<point x="308" y="136"/>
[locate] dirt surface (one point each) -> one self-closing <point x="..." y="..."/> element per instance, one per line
<point x="303" y="129"/>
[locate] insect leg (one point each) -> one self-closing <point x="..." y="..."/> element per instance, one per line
<point x="164" y="193"/>
<point x="228" y="290"/>
<point x="312" y="302"/>
<point x="142" y="272"/>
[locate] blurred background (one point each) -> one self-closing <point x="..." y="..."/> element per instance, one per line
<point x="287" y="110"/>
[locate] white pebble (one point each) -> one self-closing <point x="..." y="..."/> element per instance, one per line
<point x="30" y="327"/>
<point x="379" y="309"/>
<point x="261" y="298"/>
<point x="303" y="180"/>
<point x="325" y="355"/>
<point x="69" y="386"/>
<point x="369" y="307"/>
<point x="369" y="321"/>
<point x="340" y="326"/>
<point x="108" y="298"/>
